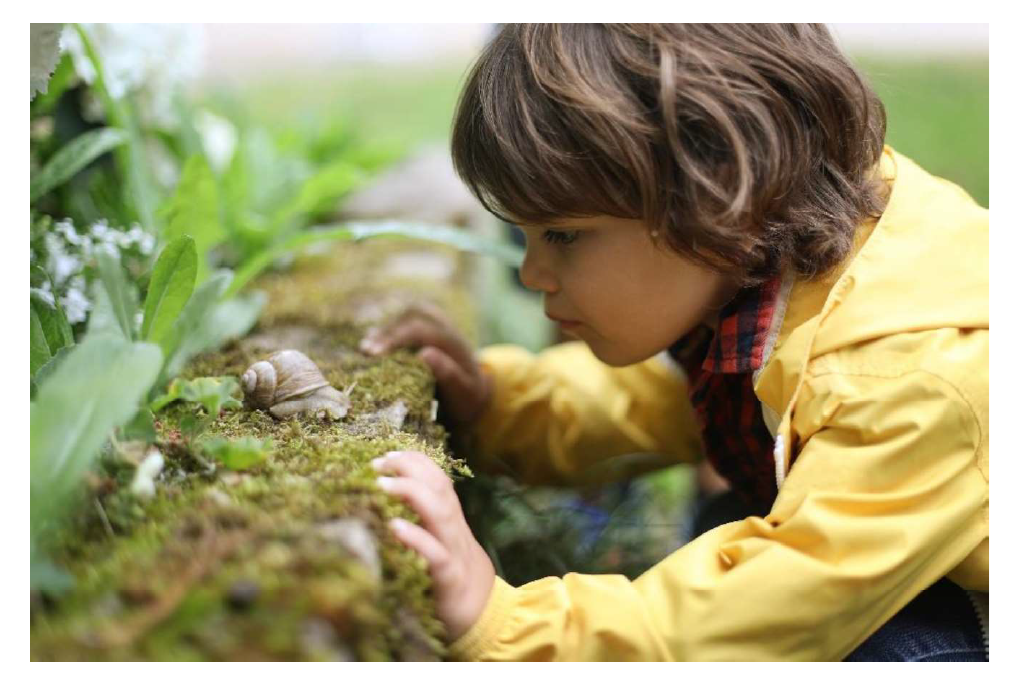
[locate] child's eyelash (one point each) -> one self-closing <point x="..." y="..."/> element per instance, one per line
<point x="560" y="236"/>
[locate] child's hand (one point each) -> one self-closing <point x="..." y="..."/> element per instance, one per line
<point x="464" y="389"/>
<point x="461" y="571"/>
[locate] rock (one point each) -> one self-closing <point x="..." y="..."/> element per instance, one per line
<point x="393" y="415"/>
<point x="143" y="485"/>
<point x="242" y="594"/>
<point x="357" y="539"/>
<point x="424" y="264"/>
<point x="318" y="640"/>
<point x="218" y="497"/>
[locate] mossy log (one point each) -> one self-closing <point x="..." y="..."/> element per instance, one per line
<point x="290" y="559"/>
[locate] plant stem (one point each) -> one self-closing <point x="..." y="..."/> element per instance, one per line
<point x="461" y="239"/>
<point x="130" y="158"/>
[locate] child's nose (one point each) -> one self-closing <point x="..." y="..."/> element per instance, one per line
<point x="536" y="276"/>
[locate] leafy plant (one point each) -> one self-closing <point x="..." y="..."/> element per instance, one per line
<point x="170" y="288"/>
<point x="73" y="157"/>
<point x="50" y="330"/>
<point x="213" y="394"/>
<point x="207" y="321"/>
<point x="193" y="210"/>
<point x="121" y="296"/>
<point x="237" y="454"/>
<point x="95" y="388"/>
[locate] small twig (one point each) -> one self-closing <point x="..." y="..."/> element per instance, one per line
<point x="105" y="519"/>
<point x="115" y="444"/>
<point x="209" y="551"/>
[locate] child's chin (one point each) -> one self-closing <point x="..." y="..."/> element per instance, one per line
<point x="612" y="356"/>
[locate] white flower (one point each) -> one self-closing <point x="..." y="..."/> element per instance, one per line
<point x="151" y="60"/>
<point x="108" y="247"/>
<point x="75" y="303"/>
<point x="45" y="43"/>
<point x="45" y="293"/>
<point x="61" y="263"/>
<point x="146" y="243"/>
<point x="218" y="136"/>
<point x="100" y="229"/>
<point x="69" y="232"/>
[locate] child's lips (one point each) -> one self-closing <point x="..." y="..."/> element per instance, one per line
<point x="564" y="323"/>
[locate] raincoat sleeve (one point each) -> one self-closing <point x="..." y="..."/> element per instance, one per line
<point x="884" y="499"/>
<point x="564" y="417"/>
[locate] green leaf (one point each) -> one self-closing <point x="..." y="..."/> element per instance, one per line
<point x="54" y="322"/>
<point x="171" y="285"/>
<point x="47" y="369"/>
<point x="225" y="321"/>
<point x="456" y="237"/>
<point x="321" y="192"/>
<point x="213" y="394"/>
<point x="120" y="292"/>
<point x="58" y="83"/>
<point x="102" y="319"/>
<point x="196" y="311"/>
<point x="39" y="353"/>
<point x="73" y="157"/>
<point x="47" y="577"/>
<point x="237" y="454"/>
<point x="41" y="223"/>
<point x="207" y="322"/>
<point x="97" y="387"/>
<point x="190" y="426"/>
<point x="131" y="158"/>
<point x="142" y="427"/>
<point x="173" y="393"/>
<point x="45" y="53"/>
<point x="193" y="210"/>
<point x="374" y="154"/>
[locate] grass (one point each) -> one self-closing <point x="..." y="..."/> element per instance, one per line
<point x="937" y="106"/>
<point x="938" y="115"/>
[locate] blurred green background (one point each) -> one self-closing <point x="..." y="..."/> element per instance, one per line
<point x="937" y="114"/>
<point x="937" y="106"/>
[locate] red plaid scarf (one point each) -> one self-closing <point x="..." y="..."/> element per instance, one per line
<point x="720" y="369"/>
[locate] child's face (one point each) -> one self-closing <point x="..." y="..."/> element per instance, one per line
<point x="626" y="297"/>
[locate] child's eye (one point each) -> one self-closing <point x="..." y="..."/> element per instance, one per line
<point x="560" y="237"/>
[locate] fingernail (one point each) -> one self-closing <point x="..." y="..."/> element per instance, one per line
<point x="384" y="482"/>
<point x="396" y="523"/>
<point x="392" y="454"/>
<point x="377" y="463"/>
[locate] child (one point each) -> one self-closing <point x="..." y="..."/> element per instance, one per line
<point x="718" y="196"/>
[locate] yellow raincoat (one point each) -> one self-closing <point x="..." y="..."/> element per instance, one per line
<point x="875" y="388"/>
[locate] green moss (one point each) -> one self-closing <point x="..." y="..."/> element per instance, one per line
<point x="229" y="565"/>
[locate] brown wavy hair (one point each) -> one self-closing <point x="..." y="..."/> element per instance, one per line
<point x="753" y="146"/>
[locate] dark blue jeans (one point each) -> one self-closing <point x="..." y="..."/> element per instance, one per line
<point x="939" y="625"/>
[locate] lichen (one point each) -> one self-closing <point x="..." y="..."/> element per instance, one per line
<point x="231" y="565"/>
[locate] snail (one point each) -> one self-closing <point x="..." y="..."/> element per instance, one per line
<point x="289" y="382"/>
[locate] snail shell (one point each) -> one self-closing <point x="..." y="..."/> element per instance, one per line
<point x="283" y="376"/>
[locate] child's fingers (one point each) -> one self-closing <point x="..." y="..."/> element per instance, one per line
<point x="412" y="332"/>
<point x="456" y="384"/>
<point x="420" y="540"/>
<point x="415" y="465"/>
<point x="427" y="310"/>
<point x="435" y="510"/>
